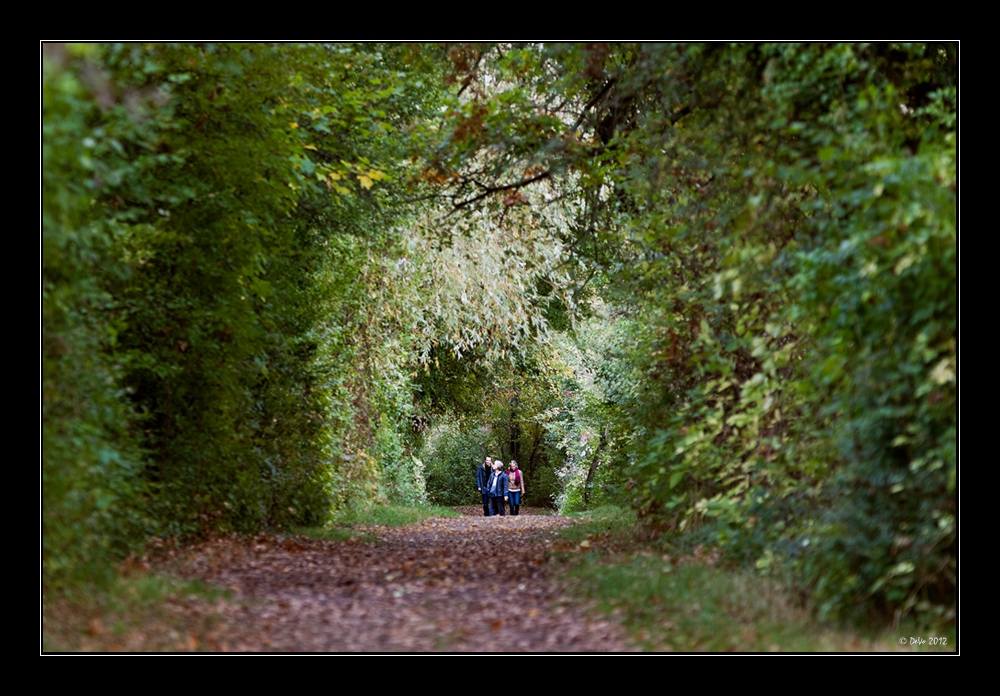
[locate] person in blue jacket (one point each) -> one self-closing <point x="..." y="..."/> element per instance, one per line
<point x="483" y="474"/>
<point x="498" y="489"/>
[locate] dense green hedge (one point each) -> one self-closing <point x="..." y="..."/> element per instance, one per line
<point x="210" y="213"/>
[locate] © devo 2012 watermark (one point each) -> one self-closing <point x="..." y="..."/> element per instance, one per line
<point x="933" y="640"/>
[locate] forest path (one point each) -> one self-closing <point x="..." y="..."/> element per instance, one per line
<point x="464" y="584"/>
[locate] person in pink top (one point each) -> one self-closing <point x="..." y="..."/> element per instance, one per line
<point x="515" y="487"/>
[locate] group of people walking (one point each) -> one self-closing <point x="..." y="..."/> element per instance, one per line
<point x="498" y="487"/>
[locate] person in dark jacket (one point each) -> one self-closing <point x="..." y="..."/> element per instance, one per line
<point x="483" y="474"/>
<point x="498" y="489"/>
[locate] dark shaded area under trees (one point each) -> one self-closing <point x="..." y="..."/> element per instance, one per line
<point x="717" y="282"/>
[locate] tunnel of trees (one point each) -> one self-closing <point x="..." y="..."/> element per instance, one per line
<point x="715" y="282"/>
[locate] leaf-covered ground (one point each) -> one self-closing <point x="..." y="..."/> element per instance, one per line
<point x="467" y="584"/>
<point x="464" y="584"/>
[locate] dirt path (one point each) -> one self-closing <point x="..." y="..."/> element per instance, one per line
<point x="468" y="584"/>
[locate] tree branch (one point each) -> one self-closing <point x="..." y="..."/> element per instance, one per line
<point x="472" y="74"/>
<point x="496" y="189"/>
<point x="593" y="102"/>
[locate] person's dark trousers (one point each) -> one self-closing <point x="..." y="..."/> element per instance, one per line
<point x="499" y="507"/>
<point x="487" y="504"/>
<point x="515" y="502"/>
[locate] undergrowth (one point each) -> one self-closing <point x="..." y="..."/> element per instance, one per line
<point x="670" y="596"/>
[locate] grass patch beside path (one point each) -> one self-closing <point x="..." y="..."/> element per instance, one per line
<point x="148" y="612"/>
<point x="607" y="528"/>
<point x="674" y="602"/>
<point x="393" y="515"/>
<point x="355" y="524"/>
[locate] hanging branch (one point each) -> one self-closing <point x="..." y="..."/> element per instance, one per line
<point x="497" y="189"/>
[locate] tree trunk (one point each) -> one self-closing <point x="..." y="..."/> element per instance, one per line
<point x="593" y="468"/>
